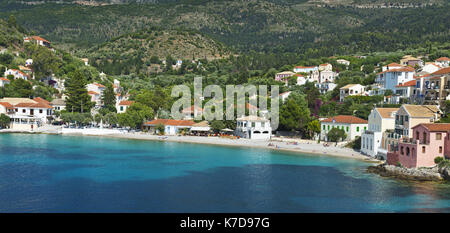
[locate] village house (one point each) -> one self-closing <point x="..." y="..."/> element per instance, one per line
<point x="3" y="81"/>
<point x="427" y="142"/>
<point x="171" y="127"/>
<point x="16" y="73"/>
<point x="253" y="127"/>
<point x="404" y="91"/>
<point x="326" y="76"/>
<point x="325" y="67"/>
<point x="350" y="90"/>
<point x="410" y="115"/>
<point x="123" y="105"/>
<point x="38" y="40"/>
<point x="283" y="76"/>
<point x="29" y="62"/>
<point x="85" y="61"/>
<point x="343" y="62"/>
<point x="443" y="61"/>
<point x="192" y="112"/>
<point x="352" y="126"/>
<point x="58" y="104"/>
<point x="95" y="90"/>
<point x="392" y="77"/>
<point x="380" y="120"/>
<point x="325" y="87"/>
<point x="409" y="60"/>
<point x="284" y="96"/>
<point x="27" y="114"/>
<point x="436" y="86"/>
<point x="431" y="67"/>
<point x="306" y="69"/>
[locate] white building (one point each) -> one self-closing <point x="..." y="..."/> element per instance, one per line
<point x="343" y="62"/>
<point x="325" y="87"/>
<point x="16" y="73"/>
<point x="27" y="114"/>
<point x="349" y="90"/>
<point x="29" y="62"/>
<point x="58" y="104"/>
<point x="431" y="67"/>
<point x="123" y="106"/>
<point x="306" y="69"/>
<point x="284" y="96"/>
<point x="326" y="76"/>
<point x="390" y="78"/>
<point x="443" y="61"/>
<point x="380" y="120"/>
<point x="352" y="126"/>
<point x="325" y="67"/>
<point x="253" y="127"/>
<point x="171" y="127"/>
<point x="95" y="90"/>
<point x="404" y="91"/>
<point x="4" y="81"/>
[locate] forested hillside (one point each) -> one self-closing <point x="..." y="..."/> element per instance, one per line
<point x="143" y="51"/>
<point x="258" y="25"/>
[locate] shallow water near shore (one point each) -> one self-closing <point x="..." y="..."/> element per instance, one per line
<point x="53" y="173"/>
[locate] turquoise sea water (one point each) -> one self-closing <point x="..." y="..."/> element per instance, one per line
<point x="51" y="173"/>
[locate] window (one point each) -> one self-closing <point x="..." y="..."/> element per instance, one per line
<point x="23" y="110"/>
<point x="347" y="128"/>
<point x="328" y="127"/>
<point x="121" y="108"/>
<point x="424" y="137"/>
<point x="365" y="128"/>
<point x="357" y="129"/>
<point x="440" y="149"/>
<point x="406" y="118"/>
<point x="40" y="110"/>
<point x="323" y="127"/>
<point x="417" y="135"/>
<point x="438" y="136"/>
<point x="401" y="150"/>
<point x="423" y="149"/>
<point x="407" y="151"/>
<point x="263" y="124"/>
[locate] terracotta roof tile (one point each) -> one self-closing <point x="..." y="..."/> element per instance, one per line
<point x="345" y="119"/>
<point x="442" y="71"/>
<point x="386" y="112"/>
<point x="436" y="127"/>
<point x="126" y="102"/>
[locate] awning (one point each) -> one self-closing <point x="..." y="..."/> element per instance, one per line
<point x="227" y="130"/>
<point x="200" y="128"/>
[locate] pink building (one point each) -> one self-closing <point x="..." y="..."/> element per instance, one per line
<point x="429" y="141"/>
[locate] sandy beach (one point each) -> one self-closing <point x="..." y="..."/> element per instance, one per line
<point x="281" y="144"/>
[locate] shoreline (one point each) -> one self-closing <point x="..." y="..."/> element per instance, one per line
<point x="279" y="144"/>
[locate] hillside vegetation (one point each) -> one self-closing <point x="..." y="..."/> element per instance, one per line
<point x="254" y="25"/>
<point x="139" y="52"/>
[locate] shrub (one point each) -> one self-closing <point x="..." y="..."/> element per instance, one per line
<point x="438" y="159"/>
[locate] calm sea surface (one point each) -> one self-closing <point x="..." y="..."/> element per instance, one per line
<point x="50" y="173"/>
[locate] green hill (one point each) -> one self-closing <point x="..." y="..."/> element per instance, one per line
<point x="143" y="51"/>
<point x="317" y="28"/>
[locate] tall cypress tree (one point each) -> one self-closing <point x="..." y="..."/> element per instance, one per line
<point x="109" y="98"/>
<point x="78" y="99"/>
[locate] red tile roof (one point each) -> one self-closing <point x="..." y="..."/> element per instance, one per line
<point x="126" y="102"/>
<point x="346" y="119"/>
<point x="39" y="38"/>
<point x="40" y="100"/>
<point x="407" y="84"/>
<point x="98" y="85"/>
<point x="443" y="59"/>
<point x="33" y="105"/>
<point x="442" y="71"/>
<point x="93" y="93"/>
<point x="4" y="79"/>
<point x="170" y="122"/>
<point x="6" y="104"/>
<point x="435" y="127"/>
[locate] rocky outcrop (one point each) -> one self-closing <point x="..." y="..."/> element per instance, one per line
<point x="418" y="174"/>
<point x="445" y="172"/>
